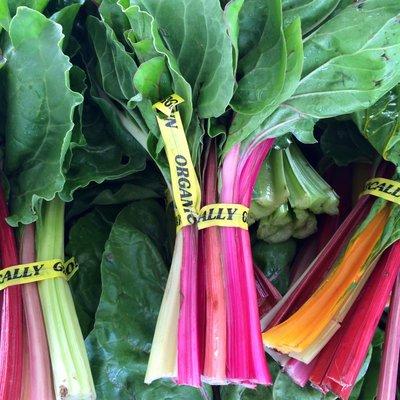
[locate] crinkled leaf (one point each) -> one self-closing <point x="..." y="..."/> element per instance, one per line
<point x="66" y="18"/>
<point x="101" y="157"/>
<point x="87" y="238"/>
<point x="380" y="125"/>
<point x="112" y="14"/>
<point x="116" y="66"/>
<point x="134" y="274"/>
<point x="39" y="116"/>
<point x="262" y="67"/>
<point x="342" y="76"/>
<point x="195" y="33"/>
<point x="311" y="12"/>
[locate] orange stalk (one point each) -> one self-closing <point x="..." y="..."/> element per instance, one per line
<point x="304" y="333"/>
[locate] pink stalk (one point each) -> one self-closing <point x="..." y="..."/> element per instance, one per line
<point x="390" y="361"/>
<point x="299" y="371"/>
<point x="188" y="332"/>
<point x="41" y="386"/>
<point x="246" y="362"/>
<point x="313" y="276"/>
<point x="215" y="330"/>
<point x="11" y="345"/>
<point x="346" y="354"/>
<point x="267" y="294"/>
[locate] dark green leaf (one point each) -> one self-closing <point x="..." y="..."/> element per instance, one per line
<point x="342" y="142"/>
<point x="274" y="259"/>
<point x="133" y="277"/>
<point x="86" y="243"/>
<point x="195" y="33"/>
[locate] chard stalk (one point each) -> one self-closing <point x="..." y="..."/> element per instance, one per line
<point x="72" y="377"/>
<point x="314" y="274"/>
<point x="163" y="356"/>
<point x="188" y="327"/>
<point x="215" y="326"/>
<point x="40" y="386"/>
<point x="387" y="381"/>
<point x="246" y="362"/>
<point x="344" y="355"/>
<point x="307" y="189"/>
<point x="11" y="343"/>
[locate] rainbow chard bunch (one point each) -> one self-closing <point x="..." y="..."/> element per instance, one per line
<point x="248" y="72"/>
<point x="349" y="290"/>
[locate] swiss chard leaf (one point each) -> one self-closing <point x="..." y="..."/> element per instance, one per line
<point x="206" y="62"/>
<point x="262" y="57"/>
<point x="335" y="77"/>
<point x="380" y="125"/>
<point x="134" y="274"/>
<point x="311" y="12"/>
<point x="39" y="114"/>
<point x="86" y="243"/>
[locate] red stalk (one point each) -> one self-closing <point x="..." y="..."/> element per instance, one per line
<point x="267" y="294"/>
<point x="41" y="386"/>
<point x="246" y="362"/>
<point x="215" y="330"/>
<point x="390" y="361"/>
<point x="346" y="352"/>
<point x="11" y="345"/>
<point x="188" y="329"/>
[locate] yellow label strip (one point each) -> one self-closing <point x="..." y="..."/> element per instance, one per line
<point x="383" y="188"/>
<point x="37" y="271"/>
<point x="228" y="215"/>
<point x="185" y="185"/>
<point x="168" y="105"/>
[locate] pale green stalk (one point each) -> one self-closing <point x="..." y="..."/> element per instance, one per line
<point x="71" y="371"/>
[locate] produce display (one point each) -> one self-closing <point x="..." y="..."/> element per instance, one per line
<point x="199" y="199"/>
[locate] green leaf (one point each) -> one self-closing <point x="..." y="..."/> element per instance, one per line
<point x="38" y="5"/>
<point x="195" y="33"/>
<point x="133" y="273"/>
<point x="113" y="16"/>
<point x="311" y="12"/>
<point x="341" y="141"/>
<point x="86" y="243"/>
<point x="231" y="14"/>
<point x="380" y="125"/>
<point x="4" y="15"/>
<point x="261" y="68"/>
<point x="148" y="76"/>
<point x="243" y="125"/>
<point x="66" y="18"/>
<point x="117" y="67"/>
<point x="275" y="260"/>
<point x="39" y="115"/>
<point x="342" y="76"/>
<point x="100" y="157"/>
<point x="285" y="389"/>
